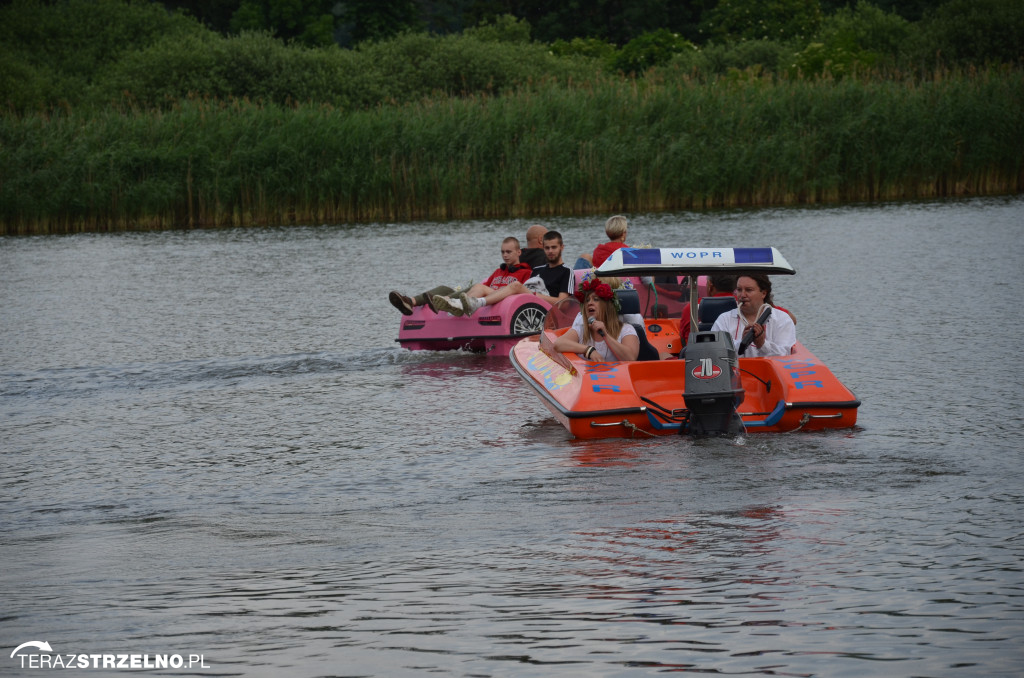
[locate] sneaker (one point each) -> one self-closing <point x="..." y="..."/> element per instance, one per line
<point x="401" y="302"/>
<point x="452" y="306"/>
<point x="471" y="305"/>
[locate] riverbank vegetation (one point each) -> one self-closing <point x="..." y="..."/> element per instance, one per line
<point x="134" y="117"/>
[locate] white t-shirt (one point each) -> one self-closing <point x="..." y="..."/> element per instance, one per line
<point x="779" y="333"/>
<point x="601" y="346"/>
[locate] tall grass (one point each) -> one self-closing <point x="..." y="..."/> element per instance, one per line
<point x="610" y="145"/>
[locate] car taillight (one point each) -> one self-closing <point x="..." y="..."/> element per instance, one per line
<point x="490" y="320"/>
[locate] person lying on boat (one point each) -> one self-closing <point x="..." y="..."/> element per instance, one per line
<point x="549" y="282"/>
<point x="775" y="337"/>
<point x="602" y="335"/>
<point x="510" y="271"/>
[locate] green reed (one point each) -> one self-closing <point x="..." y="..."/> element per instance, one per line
<point x="622" y="145"/>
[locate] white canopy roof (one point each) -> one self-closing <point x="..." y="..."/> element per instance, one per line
<point x="631" y="261"/>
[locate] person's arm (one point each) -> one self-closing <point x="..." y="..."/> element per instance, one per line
<point x="551" y="300"/>
<point x="569" y="342"/>
<point x="777" y="337"/>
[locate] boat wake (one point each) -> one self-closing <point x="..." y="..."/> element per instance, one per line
<point x="94" y="380"/>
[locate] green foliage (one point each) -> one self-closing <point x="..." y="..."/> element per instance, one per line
<point x="257" y="67"/>
<point x="118" y="112"/>
<point x="777" y="20"/>
<point x="23" y="86"/>
<point x="766" y="56"/>
<point x="309" y="22"/>
<point x="975" y="31"/>
<point x="251" y="66"/>
<point x="505" y="28"/>
<point x="854" y="39"/>
<point x="80" y="37"/>
<point x="374" y="20"/>
<point x="591" y="48"/>
<point x="52" y="53"/>
<point x="650" y="49"/>
<point x="610" y="144"/>
<point x="414" y="66"/>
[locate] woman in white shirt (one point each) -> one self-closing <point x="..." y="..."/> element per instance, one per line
<point x="602" y="336"/>
<point x="776" y="337"/>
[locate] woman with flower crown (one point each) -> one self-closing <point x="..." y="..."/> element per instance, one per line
<point x="598" y="333"/>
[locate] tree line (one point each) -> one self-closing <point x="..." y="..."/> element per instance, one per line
<point x="96" y="53"/>
<point x="125" y="114"/>
<point x="320" y="22"/>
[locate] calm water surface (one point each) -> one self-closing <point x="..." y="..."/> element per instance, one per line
<point x="212" y="445"/>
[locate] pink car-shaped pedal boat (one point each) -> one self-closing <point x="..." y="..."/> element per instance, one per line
<point x="493" y="330"/>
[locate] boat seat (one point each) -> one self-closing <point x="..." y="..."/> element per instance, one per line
<point x="629" y="300"/>
<point x="710" y="308"/>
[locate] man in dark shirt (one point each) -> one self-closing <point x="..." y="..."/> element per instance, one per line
<point x="533" y="253"/>
<point x="555" y="274"/>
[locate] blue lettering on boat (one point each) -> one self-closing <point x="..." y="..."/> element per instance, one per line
<point x="600" y="371"/>
<point x="696" y="255"/>
<point x="809" y="384"/>
<point x="798" y="365"/>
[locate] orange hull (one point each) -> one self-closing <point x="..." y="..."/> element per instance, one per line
<point x="626" y="399"/>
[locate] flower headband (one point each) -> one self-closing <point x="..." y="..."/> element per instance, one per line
<point x="601" y="289"/>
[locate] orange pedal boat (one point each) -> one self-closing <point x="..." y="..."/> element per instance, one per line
<point x="710" y="390"/>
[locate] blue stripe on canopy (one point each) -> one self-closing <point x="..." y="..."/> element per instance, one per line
<point x="752" y="255"/>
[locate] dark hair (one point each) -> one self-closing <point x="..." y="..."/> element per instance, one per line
<point x="723" y="283"/>
<point x="553" y="235"/>
<point x="762" y="282"/>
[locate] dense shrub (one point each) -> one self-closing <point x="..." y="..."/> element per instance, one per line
<point x="82" y="37"/>
<point x="248" y="66"/>
<point x="974" y="31"/>
<point x="778" y="20"/>
<point x="650" y="49"/>
<point x="505" y="28"/>
<point x="767" y="55"/>
<point x="857" y="38"/>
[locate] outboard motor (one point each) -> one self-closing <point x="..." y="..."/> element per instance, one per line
<point x="713" y="388"/>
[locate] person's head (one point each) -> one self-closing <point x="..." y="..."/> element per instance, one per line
<point x="553" y="247"/>
<point x="598" y="301"/>
<point x="752" y="290"/>
<point x="719" y="284"/>
<point x="534" y="234"/>
<point x="615" y="227"/>
<point x="510" y="251"/>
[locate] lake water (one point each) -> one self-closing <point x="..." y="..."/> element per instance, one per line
<point x="212" y="445"/>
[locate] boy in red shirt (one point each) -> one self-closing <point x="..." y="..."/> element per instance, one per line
<point x="439" y="298"/>
<point x="509" y="272"/>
